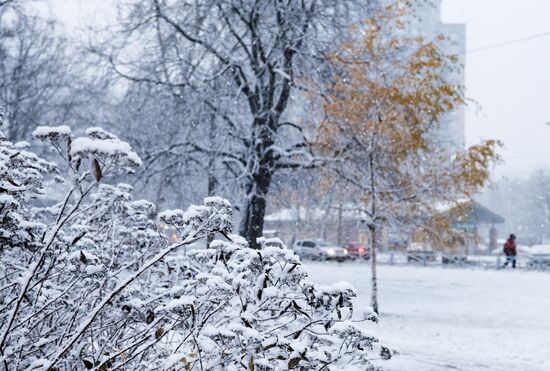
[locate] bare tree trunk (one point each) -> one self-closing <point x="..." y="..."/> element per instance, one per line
<point x="212" y="187"/>
<point x="374" y="236"/>
<point x="252" y="225"/>
<point x="374" y="279"/>
<point x="212" y="181"/>
<point x="259" y="182"/>
<point x="340" y="224"/>
<point x="159" y="197"/>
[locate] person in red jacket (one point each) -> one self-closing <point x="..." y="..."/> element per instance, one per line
<point x="510" y="250"/>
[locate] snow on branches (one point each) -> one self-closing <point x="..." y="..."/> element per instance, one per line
<point x="100" y="287"/>
<point x="215" y="215"/>
<point x="266" y="313"/>
<point x="107" y="154"/>
<point x="21" y="179"/>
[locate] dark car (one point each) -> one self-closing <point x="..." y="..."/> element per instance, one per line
<point x="454" y="259"/>
<point x="357" y="251"/>
<point x="417" y="252"/>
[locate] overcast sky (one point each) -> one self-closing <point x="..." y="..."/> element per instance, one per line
<point x="511" y="83"/>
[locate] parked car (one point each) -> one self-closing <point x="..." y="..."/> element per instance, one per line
<point x="417" y="252"/>
<point x="453" y="259"/>
<point x="319" y="250"/>
<point x="357" y="251"/>
<point x="539" y="256"/>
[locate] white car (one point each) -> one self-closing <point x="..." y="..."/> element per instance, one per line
<point x="539" y="256"/>
<point x="319" y="250"/>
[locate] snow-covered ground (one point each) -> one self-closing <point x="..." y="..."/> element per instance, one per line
<point x="460" y="319"/>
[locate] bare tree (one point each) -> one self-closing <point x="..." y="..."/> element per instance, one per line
<point x="257" y="53"/>
<point x="35" y="81"/>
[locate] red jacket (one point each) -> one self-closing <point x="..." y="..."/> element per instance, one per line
<point x="510" y="248"/>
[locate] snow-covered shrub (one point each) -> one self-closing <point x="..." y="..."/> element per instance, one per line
<point x="21" y="179"/>
<point x="92" y="283"/>
<point x="59" y="263"/>
<point x="240" y="308"/>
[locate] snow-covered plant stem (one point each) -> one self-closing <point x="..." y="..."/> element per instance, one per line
<point x="37" y="265"/>
<point x="191" y="238"/>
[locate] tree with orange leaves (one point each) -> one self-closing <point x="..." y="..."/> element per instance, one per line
<point x="382" y="115"/>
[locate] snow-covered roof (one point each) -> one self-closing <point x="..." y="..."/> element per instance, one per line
<point x="312" y="214"/>
<point x="444" y="206"/>
<point x="416" y="246"/>
<point x="301" y="213"/>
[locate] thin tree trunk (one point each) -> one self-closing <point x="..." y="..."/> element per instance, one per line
<point x="160" y="199"/>
<point x="340" y="224"/>
<point x="212" y="182"/>
<point x="212" y="187"/>
<point x="374" y="279"/>
<point x="374" y="236"/>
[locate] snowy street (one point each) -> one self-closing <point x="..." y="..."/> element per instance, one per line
<point x="459" y="319"/>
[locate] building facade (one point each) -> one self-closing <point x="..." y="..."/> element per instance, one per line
<point x="427" y="22"/>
